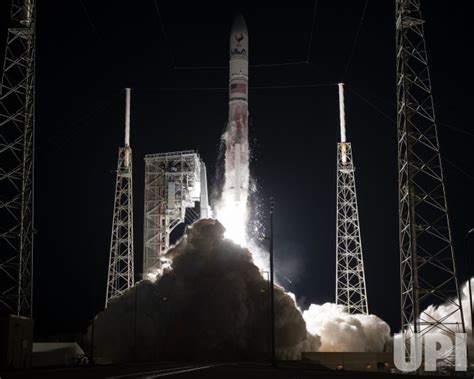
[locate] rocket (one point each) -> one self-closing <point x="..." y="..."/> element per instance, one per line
<point x="236" y="136"/>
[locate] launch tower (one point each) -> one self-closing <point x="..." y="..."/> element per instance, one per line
<point x="350" y="276"/>
<point x="16" y="162"/>
<point x="427" y="265"/>
<point x="121" y="267"/>
<point x="173" y="182"/>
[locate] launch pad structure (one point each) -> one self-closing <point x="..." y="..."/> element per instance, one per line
<point x="17" y="123"/>
<point x="121" y="270"/>
<point x="174" y="182"/>
<point x="350" y="275"/>
<point x="427" y="262"/>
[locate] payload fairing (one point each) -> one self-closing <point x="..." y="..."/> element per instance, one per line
<point x="236" y="136"/>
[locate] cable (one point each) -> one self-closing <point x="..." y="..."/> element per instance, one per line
<point x="394" y="122"/>
<point x="261" y="65"/>
<point x="456" y="129"/>
<point x="284" y="86"/>
<point x="295" y="86"/>
<point x="370" y="103"/>
<point x="312" y="32"/>
<point x="75" y="126"/>
<point x="180" y="89"/>
<point x="88" y="16"/>
<point x="458" y="168"/>
<point x="391" y="119"/>
<point x="165" y="35"/>
<point x="346" y="68"/>
<point x="250" y="65"/>
<point x="199" y="67"/>
<point x="278" y="64"/>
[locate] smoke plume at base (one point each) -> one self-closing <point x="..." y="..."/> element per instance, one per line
<point x="344" y="332"/>
<point x="448" y="312"/>
<point x="211" y="305"/>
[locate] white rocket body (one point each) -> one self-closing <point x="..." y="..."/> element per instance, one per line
<point x="236" y="136"/>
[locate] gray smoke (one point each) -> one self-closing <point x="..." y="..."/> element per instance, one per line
<point x="211" y="305"/>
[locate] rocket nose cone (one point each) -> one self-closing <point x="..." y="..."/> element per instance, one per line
<point x="239" y="24"/>
<point x="239" y="44"/>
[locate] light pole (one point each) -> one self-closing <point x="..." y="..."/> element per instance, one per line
<point x="466" y="246"/>
<point x="272" y="289"/>
<point x="92" y="341"/>
<point x="135" y="325"/>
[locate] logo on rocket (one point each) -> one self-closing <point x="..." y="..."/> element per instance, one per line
<point x="239" y="38"/>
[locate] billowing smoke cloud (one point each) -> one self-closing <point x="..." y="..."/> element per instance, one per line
<point x="449" y="314"/>
<point x="341" y="331"/>
<point x="213" y="304"/>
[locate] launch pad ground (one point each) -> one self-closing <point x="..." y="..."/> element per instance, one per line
<point x="186" y="370"/>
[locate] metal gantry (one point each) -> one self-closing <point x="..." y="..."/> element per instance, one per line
<point x="121" y="260"/>
<point x="173" y="182"/>
<point x="427" y="264"/>
<point x="350" y="276"/>
<point x="16" y="162"/>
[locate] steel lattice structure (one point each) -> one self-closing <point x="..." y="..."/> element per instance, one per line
<point x="427" y="264"/>
<point x="173" y="182"/>
<point x="121" y="260"/>
<point x="16" y="162"/>
<point x="350" y="276"/>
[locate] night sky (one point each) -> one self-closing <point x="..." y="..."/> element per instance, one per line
<point x="88" y="51"/>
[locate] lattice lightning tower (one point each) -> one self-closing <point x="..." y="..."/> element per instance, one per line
<point x="16" y="162"/>
<point x="121" y="266"/>
<point x="427" y="265"/>
<point x="350" y="276"/>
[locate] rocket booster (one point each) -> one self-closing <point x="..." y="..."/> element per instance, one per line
<point x="237" y="151"/>
<point x="239" y="64"/>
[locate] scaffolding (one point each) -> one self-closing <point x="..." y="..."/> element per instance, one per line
<point x="173" y="182"/>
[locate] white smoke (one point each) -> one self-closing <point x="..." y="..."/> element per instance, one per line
<point x="341" y="331"/>
<point x="449" y="314"/>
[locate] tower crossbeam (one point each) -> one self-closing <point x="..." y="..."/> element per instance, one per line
<point x="350" y="275"/>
